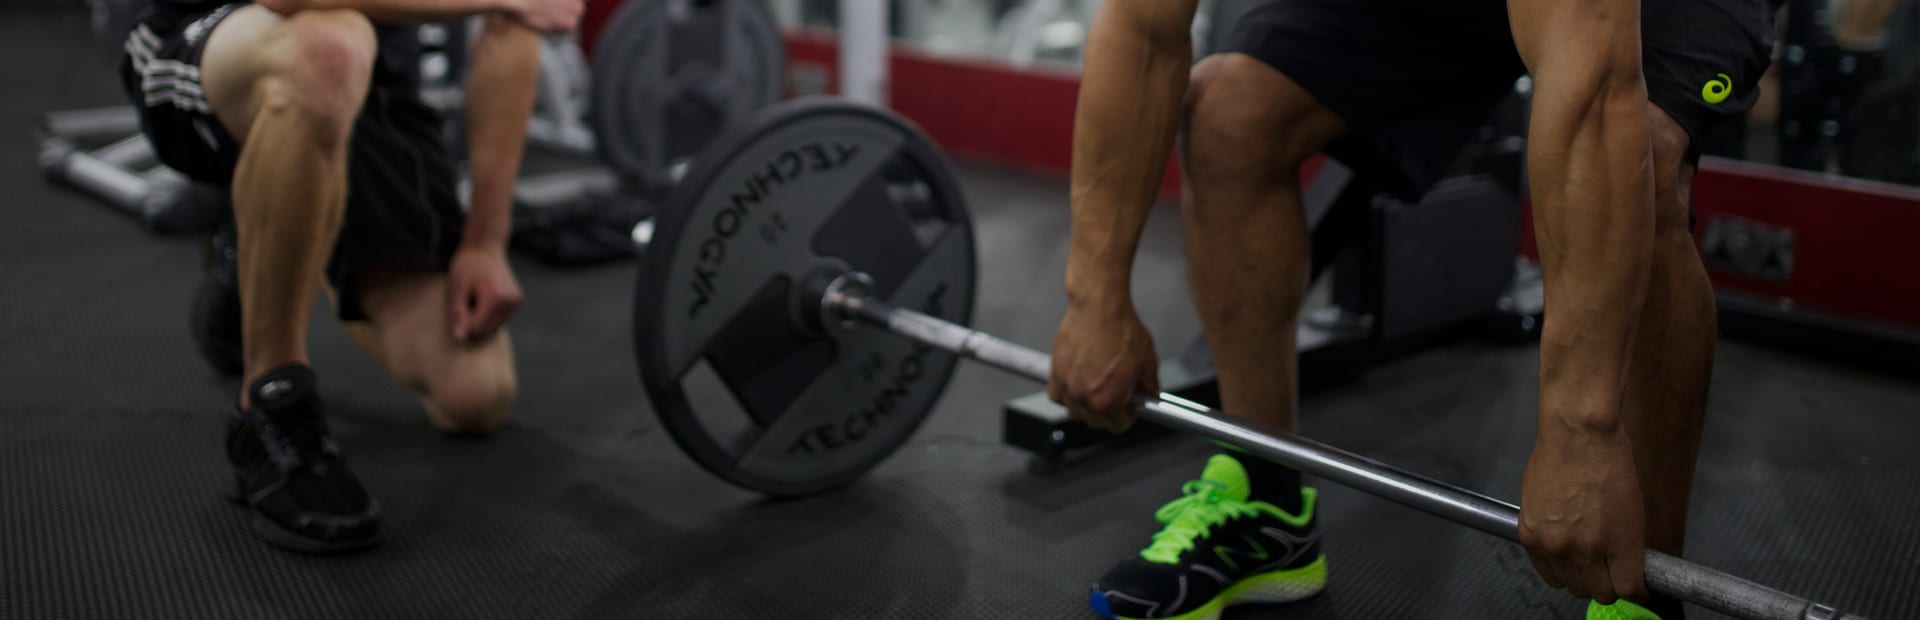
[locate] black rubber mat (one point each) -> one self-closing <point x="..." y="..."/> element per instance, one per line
<point x="111" y="496"/>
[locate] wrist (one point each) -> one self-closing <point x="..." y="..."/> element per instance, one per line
<point x="483" y="246"/>
<point x="1565" y="426"/>
<point x="1102" y="295"/>
<point x="488" y="227"/>
<point x="1581" y="383"/>
<point x="1567" y="413"/>
<point x="1098" y="280"/>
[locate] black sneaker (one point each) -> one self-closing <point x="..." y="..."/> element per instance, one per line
<point x="214" y="320"/>
<point x="1217" y="549"/>
<point x="290" y="472"/>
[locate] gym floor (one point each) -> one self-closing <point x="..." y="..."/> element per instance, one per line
<point x="111" y="481"/>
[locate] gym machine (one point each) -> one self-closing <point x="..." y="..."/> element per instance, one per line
<point x="102" y="152"/>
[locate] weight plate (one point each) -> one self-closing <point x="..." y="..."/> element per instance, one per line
<point x="669" y="75"/>
<point x="732" y="351"/>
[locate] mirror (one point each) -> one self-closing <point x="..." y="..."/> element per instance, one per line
<point x="1843" y="95"/>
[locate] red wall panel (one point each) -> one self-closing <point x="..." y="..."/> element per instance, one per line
<point x="980" y="109"/>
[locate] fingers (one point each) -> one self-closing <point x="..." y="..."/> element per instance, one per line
<point x="1542" y="563"/>
<point x="489" y="313"/>
<point x="1057" y="377"/>
<point x="1096" y="376"/>
<point x="459" y="308"/>
<point x="1579" y="568"/>
<point x="1595" y="580"/>
<point x="1091" y="405"/>
<point x="1099" y="409"/>
<point x="491" y="310"/>
<point x="1116" y="407"/>
<point x="1627" y="568"/>
<point x="1112" y="399"/>
<point x="1585" y="571"/>
<point x="500" y="307"/>
<point x="1147" y="380"/>
<point x="1566" y="572"/>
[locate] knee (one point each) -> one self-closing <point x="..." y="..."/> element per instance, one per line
<point x="1244" y="121"/>
<point x="321" y="66"/>
<point x="1673" y="179"/>
<point x="332" y="50"/>
<point x="471" y="402"/>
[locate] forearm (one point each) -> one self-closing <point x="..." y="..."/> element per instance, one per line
<point x="1124" y="125"/>
<point x="394" y="11"/>
<point x="1591" y="166"/>
<point x="500" y="89"/>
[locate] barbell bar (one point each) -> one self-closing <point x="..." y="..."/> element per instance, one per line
<point x="845" y="305"/>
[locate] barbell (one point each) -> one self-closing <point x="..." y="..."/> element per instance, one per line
<point x="802" y="305"/>
<point x="845" y="301"/>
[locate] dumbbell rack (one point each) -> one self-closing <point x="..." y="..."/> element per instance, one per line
<point x="124" y="172"/>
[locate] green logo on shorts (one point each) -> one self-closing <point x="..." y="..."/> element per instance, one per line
<point x="1717" y="91"/>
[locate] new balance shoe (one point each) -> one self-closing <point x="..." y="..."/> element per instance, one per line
<point x="1626" y="610"/>
<point x="291" y="474"/>
<point x="1217" y="548"/>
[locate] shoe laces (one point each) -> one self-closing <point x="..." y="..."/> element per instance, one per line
<point x="1202" y="506"/>
<point x="297" y="440"/>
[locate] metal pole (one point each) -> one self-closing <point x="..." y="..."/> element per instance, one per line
<point x="863" y="51"/>
<point x="1664" y="573"/>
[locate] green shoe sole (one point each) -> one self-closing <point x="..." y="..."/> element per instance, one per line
<point x="1281" y="586"/>
<point x="1620" y="610"/>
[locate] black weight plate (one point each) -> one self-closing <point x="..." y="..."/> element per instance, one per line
<point x="730" y="349"/>
<point x="669" y="75"/>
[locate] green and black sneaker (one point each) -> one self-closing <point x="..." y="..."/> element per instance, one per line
<point x="1217" y="548"/>
<point x="1621" y="610"/>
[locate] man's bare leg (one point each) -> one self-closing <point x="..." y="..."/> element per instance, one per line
<point x="1672" y="356"/>
<point x="1248" y="256"/>
<point x="289" y="88"/>
<point x="1247" y="128"/>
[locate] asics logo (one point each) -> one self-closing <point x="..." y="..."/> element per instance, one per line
<point x="1717" y="90"/>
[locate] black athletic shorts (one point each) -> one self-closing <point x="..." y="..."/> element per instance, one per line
<point x="403" y="204"/>
<point x="1415" y="79"/>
